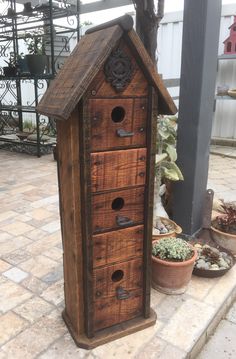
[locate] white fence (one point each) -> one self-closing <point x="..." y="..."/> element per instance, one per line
<point x="169" y="64"/>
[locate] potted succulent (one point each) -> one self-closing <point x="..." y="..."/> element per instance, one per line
<point x="11" y="69"/>
<point x="166" y="172"/>
<point x="36" y="58"/>
<point x="172" y="264"/>
<point x="223" y="227"/>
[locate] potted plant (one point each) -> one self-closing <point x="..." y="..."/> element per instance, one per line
<point x="223" y="227"/>
<point x="22" y="64"/>
<point x="36" y="59"/>
<point x="166" y="172"/>
<point x="11" y="69"/>
<point x="172" y="264"/>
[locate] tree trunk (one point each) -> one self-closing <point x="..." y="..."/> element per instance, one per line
<point x="148" y="17"/>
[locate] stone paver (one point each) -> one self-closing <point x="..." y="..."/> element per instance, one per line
<point x="31" y="276"/>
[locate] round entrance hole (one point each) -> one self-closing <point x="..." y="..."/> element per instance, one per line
<point x="117" y="204"/>
<point x="117" y="275"/>
<point x="118" y="114"/>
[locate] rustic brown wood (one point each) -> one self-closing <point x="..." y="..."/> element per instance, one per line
<point x="111" y="311"/>
<point x="126" y="22"/>
<point x="86" y="225"/>
<point x="104" y="129"/>
<point x="83" y="65"/>
<point x="119" y="245"/>
<point x="149" y="196"/>
<point x="111" y="333"/>
<point x="128" y="275"/>
<point x="104" y="217"/>
<point x="116" y="169"/>
<point x="70" y="205"/>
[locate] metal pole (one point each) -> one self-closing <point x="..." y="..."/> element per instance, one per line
<point x="197" y="88"/>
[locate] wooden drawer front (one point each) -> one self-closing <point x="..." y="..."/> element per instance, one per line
<point x="117" y="169"/>
<point x="109" y="116"/>
<point x="114" y="287"/>
<point x="117" y="246"/>
<point x="127" y="275"/>
<point x="111" y="311"/>
<point x="109" y="208"/>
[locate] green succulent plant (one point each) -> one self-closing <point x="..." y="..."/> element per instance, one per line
<point x="172" y="249"/>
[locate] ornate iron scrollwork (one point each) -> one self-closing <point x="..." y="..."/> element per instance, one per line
<point x="118" y="70"/>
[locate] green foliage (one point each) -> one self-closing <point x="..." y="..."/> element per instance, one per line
<point x="12" y="60"/>
<point x="172" y="249"/>
<point x="166" y="144"/>
<point x="35" y="43"/>
<point x="227" y="222"/>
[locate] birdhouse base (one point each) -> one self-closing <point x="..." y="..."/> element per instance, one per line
<point x="111" y="333"/>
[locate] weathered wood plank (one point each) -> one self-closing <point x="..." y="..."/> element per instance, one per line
<point x="111" y="311"/>
<point x="108" y="116"/>
<point x="105" y="218"/>
<point x="117" y="246"/>
<point x="116" y="169"/>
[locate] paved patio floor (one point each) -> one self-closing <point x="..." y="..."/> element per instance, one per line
<point x="31" y="281"/>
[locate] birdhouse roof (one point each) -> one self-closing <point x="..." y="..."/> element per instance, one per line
<point x="87" y="59"/>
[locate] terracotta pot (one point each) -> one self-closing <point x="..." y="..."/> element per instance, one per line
<point x="172" y="277"/>
<point x="223" y="239"/>
<point x="177" y="230"/>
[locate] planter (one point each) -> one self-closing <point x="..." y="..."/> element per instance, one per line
<point x="36" y="64"/>
<point x="172" y="277"/>
<point x="223" y="239"/>
<point x="10" y="71"/>
<point x="23" y="66"/>
<point x="174" y="233"/>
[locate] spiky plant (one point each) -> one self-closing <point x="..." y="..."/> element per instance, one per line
<point x="227" y="222"/>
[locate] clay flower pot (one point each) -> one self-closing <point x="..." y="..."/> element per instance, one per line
<point x="172" y="277"/>
<point x="174" y="233"/>
<point x="223" y="239"/>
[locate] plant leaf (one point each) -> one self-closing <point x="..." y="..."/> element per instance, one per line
<point x="171" y="171"/>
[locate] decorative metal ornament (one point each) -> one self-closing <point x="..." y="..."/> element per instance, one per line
<point x="118" y="70"/>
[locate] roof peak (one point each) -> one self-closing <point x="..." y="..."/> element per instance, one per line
<point x="126" y="22"/>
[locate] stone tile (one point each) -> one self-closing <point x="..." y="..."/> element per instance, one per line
<point x="52" y="226"/>
<point x="15" y="274"/>
<point x="45" y="201"/>
<point x="152" y="350"/>
<point x="33" y="309"/>
<point x="231" y="315"/>
<point x="65" y="348"/>
<point x="222" y="344"/>
<point x="53" y="276"/>
<point x="42" y="245"/>
<point x="183" y="329"/>
<point x="4" y="266"/>
<point x="7" y="215"/>
<point x="54" y="253"/>
<point x="156" y="298"/>
<point x="34" y="340"/>
<point x="4" y="236"/>
<point x="39" y="266"/>
<point x="17" y="228"/>
<point x="200" y="287"/>
<point x="168" y="307"/>
<point x="54" y="293"/>
<point x="13" y="243"/>
<point x="16" y="257"/>
<point x="171" y="352"/>
<point x="34" y="284"/>
<point x="11" y="324"/>
<point x="36" y="234"/>
<point x="221" y="291"/>
<point x="11" y="295"/>
<point x="40" y="214"/>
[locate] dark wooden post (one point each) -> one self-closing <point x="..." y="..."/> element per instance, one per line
<point x="197" y="86"/>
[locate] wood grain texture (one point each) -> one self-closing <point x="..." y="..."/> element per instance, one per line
<point x="70" y="205"/>
<point x="104" y="284"/>
<point x="116" y="169"/>
<point x="104" y="217"/>
<point x="111" y="311"/>
<point x="104" y="130"/>
<point x="117" y="246"/>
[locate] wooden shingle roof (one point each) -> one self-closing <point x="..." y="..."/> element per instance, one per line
<point x="87" y="59"/>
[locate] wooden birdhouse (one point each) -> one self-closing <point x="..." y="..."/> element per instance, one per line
<point x="230" y="42"/>
<point x="105" y="100"/>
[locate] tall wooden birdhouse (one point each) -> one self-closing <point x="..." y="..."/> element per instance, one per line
<point x="105" y="100"/>
<point x="230" y="42"/>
